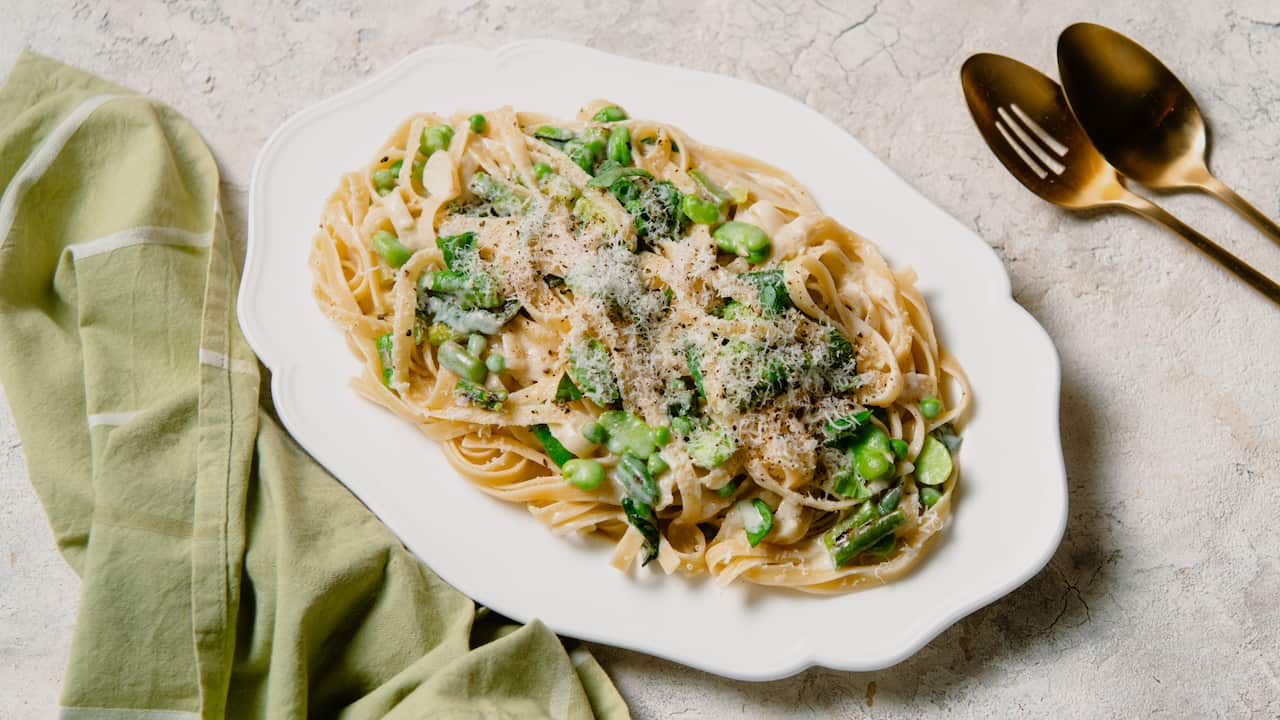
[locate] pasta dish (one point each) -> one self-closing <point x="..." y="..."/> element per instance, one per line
<point x="649" y="339"/>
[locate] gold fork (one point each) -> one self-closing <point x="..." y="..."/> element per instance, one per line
<point x="1024" y="117"/>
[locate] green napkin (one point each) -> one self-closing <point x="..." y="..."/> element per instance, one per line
<point x="224" y="572"/>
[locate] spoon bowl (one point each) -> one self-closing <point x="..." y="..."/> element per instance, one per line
<point x="1140" y="116"/>
<point x="1024" y="117"/>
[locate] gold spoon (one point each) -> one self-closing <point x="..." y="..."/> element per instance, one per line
<point x="1141" y="118"/>
<point x="1023" y="116"/>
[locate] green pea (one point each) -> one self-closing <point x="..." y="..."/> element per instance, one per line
<point x="477" y="123"/>
<point x="899" y="447"/>
<point x="551" y="132"/>
<point x="610" y="113"/>
<point x="703" y="212"/>
<point x="596" y="140"/>
<point x="436" y="137"/>
<point x="930" y="407"/>
<point x="929" y="496"/>
<point x="744" y="240"/>
<point x="682" y="426"/>
<point x="476" y="344"/>
<point x="541" y="170"/>
<point x="661" y="435"/>
<point x="496" y="363"/>
<point x="583" y="473"/>
<point x="657" y="465"/>
<point x="389" y="247"/>
<point x="455" y="358"/>
<point x="593" y="432"/>
<point x="619" y="147"/>
<point x="628" y="433"/>
<point x="384" y="181"/>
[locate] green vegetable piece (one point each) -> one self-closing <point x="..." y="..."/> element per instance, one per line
<point x="384" y="181"/>
<point x="872" y="457"/>
<point x="618" y="149"/>
<point x="703" y="212"/>
<point x="435" y="137"/>
<point x="465" y="320"/>
<point x="642" y="518"/>
<point x="504" y="200"/>
<point x="395" y="167"/>
<point x="438" y="333"/>
<point x="682" y="426"/>
<point x="590" y="370"/>
<point x="550" y="132"/>
<point x="865" y="513"/>
<point x="947" y="435"/>
<point x="468" y="392"/>
<point x="771" y="287"/>
<point x="595" y="140"/>
<point x="458" y="250"/>
<point x="718" y="195"/>
<point x="541" y="170"/>
<point x="884" y="546"/>
<point x="633" y="472"/>
<point x="710" y="447"/>
<point x="854" y="542"/>
<point x="757" y="519"/>
<point x="388" y="246"/>
<point x="836" y="431"/>
<point x="473" y="289"/>
<point x="476" y="344"/>
<point x="929" y="496"/>
<point x="693" y="360"/>
<point x="933" y="464"/>
<point x="593" y="432"/>
<point x="609" y="173"/>
<point x="744" y="240"/>
<point x="478" y="123"/>
<point x="455" y="358"/>
<point x="628" y="433"/>
<point x="609" y="113"/>
<point x="930" y="407"/>
<point x="849" y="484"/>
<point x="890" y="501"/>
<point x="899" y="448"/>
<point x="555" y="450"/>
<point x="496" y="363"/>
<point x="384" y="346"/>
<point x="656" y="211"/>
<point x="657" y="465"/>
<point x="581" y="155"/>
<point x="661" y="435"/>
<point x="583" y="473"/>
<point x="729" y="488"/>
<point x="734" y="310"/>
<point x="840" y="365"/>
<point x="566" y="391"/>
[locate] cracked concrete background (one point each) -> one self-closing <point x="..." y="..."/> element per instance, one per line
<point x="1162" y="598"/>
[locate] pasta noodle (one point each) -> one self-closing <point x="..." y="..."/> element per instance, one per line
<point x="649" y="339"/>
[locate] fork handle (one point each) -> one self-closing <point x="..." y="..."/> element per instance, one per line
<point x="1223" y="192"/>
<point x="1242" y="269"/>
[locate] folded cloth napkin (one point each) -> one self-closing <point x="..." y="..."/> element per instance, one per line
<point x="224" y="573"/>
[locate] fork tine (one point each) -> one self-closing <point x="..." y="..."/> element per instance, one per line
<point x="1017" y="148"/>
<point x="1045" y="159"/>
<point x="1044" y="136"/>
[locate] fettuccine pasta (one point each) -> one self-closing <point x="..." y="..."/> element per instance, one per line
<point x="648" y="339"/>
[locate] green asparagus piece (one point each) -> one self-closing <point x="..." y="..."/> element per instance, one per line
<point x="555" y="450"/>
<point x="757" y="519"/>
<point x="468" y="392"/>
<point x="455" y="358"/>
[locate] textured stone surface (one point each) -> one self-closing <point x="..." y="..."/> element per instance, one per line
<point x="1161" y="600"/>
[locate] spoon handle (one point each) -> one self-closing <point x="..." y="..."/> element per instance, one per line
<point x="1219" y="189"/>
<point x="1242" y="269"/>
